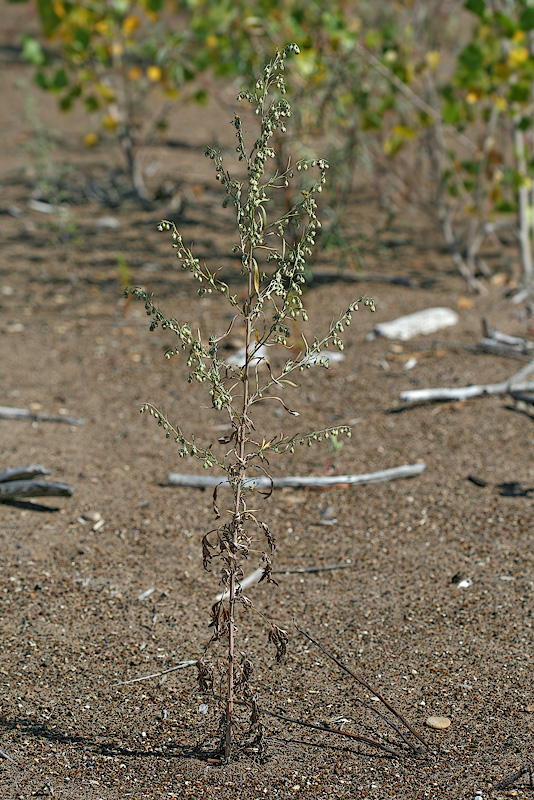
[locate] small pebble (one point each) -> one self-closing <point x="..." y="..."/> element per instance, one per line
<point x="15" y="327"/>
<point x="107" y="222"/>
<point x="438" y="723"/>
<point x="465" y="584"/>
<point x="91" y="516"/>
<point x="328" y="512"/>
<point x="530" y="708"/>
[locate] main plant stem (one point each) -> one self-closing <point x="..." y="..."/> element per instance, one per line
<point x="237" y="524"/>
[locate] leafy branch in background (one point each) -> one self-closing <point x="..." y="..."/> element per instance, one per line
<point x="110" y="57"/>
<point x="273" y="250"/>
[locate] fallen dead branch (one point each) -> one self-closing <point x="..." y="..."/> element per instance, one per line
<point x="256" y="576"/>
<point x="494" y="341"/>
<point x="3" y="754"/>
<point x="251" y="579"/>
<point x="508" y="782"/>
<point x="521" y="396"/>
<point x="23" y="473"/>
<point x="17" y="482"/>
<point x="312" y="482"/>
<point x="22" y="413"/>
<point x="13" y="490"/>
<point x="461" y="393"/>
<point x="367" y="686"/>
<point x="328" y="729"/>
<point x="502" y="349"/>
<point x="181" y="665"/>
<point x="363" y="277"/>
<point x="515" y="383"/>
<point x="299" y="570"/>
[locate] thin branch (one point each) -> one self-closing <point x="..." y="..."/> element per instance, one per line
<point x="526" y="770"/>
<point x="363" y="683"/>
<point x="182" y="665"/>
<point x="462" y="392"/>
<point x="337" y="731"/>
<point x="23" y="473"/>
<point x="22" y="413"/>
<point x="282" y="571"/>
<point x="210" y="481"/>
<point x="12" y="490"/>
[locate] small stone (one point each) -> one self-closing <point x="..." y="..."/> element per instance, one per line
<point x="15" y="327"/>
<point x="530" y="708"/>
<point x="107" y="222"/>
<point x="438" y="723"/>
<point x="91" y="516"/>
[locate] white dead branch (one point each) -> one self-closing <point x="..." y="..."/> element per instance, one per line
<point x="466" y="392"/>
<point x="296" y="482"/>
<point x="251" y="579"/>
<point x="22" y="413"/>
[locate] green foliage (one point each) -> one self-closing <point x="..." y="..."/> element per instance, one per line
<point x="273" y="249"/>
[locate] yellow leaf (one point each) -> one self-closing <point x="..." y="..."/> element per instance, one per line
<point x="59" y="9"/>
<point x="404" y="132"/>
<point x="256" y="276"/>
<point x="90" y="139"/>
<point x="518" y="56"/>
<point x="109" y="122"/>
<point x="134" y="73"/>
<point x="472" y="97"/>
<point x="102" y="27"/>
<point x="105" y="92"/>
<point x="211" y="41"/>
<point x="154" y="73"/>
<point x="519" y="36"/>
<point x="432" y="59"/>
<point x="117" y="49"/>
<point x="130" y="24"/>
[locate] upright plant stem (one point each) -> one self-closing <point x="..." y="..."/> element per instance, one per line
<point x="237" y="523"/>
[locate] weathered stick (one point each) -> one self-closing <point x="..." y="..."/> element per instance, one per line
<point x="23" y="473"/>
<point x="250" y="580"/>
<point x="494" y="335"/>
<point x="7" y="758"/>
<point x="462" y="392"/>
<point x="181" y="665"/>
<point x="501" y="349"/>
<point x="466" y="392"/>
<point x="526" y="770"/>
<point x="525" y="398"/>
<point x="337" y="731"/>
<point x="22" y="413"/>
<point x="359" y="277"/>
<point x="283" y="571"/>
<point x="262" y="482"/>
<point x="12" y="490"/>
<point x="363" y="683"/>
